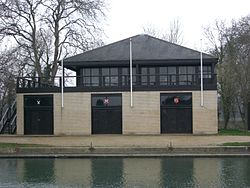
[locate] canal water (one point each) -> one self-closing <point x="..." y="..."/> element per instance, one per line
<point x="126" y="172"/>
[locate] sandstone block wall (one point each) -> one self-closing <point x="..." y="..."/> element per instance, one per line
<point x="143" y="118"/>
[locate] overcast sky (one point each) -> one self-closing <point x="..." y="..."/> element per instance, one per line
<point x="126" y="18"/>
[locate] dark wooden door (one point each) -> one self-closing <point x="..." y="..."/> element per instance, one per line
<point x="38" y="121"/>
<point x="106" y="118"/>
<point x="176" y="113"/>
<point x="106" y="121"/>
<point x="38" y="115"/>
<point x="176" y="120"/>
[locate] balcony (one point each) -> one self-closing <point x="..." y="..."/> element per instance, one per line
<point x="156" y="82"/>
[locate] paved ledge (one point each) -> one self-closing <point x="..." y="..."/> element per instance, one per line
<point x="81" y="152"/>
<point x="125" y="146"/>
<point x="121" y="155"/>
<point x="143" y="141"/>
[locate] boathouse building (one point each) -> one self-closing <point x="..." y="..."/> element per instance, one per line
<point x="165" y="96"/>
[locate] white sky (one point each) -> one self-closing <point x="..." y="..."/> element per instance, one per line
<point x="126" y="18"/>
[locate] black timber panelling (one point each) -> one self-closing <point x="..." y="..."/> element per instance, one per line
<point x="107" y="118"/>
<point x="176" y="118"/>
<point x="106" y="121"/>
<point x="38" y="115"/>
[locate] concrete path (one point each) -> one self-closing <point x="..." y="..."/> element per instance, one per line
<point x="149" y="141"/>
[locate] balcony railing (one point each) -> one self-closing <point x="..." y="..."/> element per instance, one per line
<point x="116" y="82"/>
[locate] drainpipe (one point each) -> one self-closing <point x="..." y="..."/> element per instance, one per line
<point x="62" y="84"/>
<point x="202" y="95"/>
<point x="131" y="73"/>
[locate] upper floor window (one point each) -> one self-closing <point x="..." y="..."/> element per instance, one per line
<point x="187" y="75"/>
<point x="109" y="76"/>
<point x="148" y="76"/>
<point x="207" y="71"/>
<point x="126" y="76"/>
<point x="167" y="75"/>
<point x="90" y="76"/>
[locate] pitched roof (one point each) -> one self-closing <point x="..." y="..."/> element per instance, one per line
<point x="144" y="47"/>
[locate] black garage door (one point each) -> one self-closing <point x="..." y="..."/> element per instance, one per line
<point x="176" y="113"/>
<point x="38" y="114"/>
<point x="107" y="114"/>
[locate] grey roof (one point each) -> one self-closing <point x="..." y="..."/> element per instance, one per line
<point x="144" y="47"/>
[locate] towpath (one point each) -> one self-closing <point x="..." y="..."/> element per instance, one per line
<point x="149" y="141"/>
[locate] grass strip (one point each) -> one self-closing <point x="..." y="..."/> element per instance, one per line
<point x="15" y="145"/>
<point x="236" y="144"/>
<point x="233" y="132"/>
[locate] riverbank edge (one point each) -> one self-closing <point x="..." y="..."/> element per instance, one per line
<point x="88" y="152"/>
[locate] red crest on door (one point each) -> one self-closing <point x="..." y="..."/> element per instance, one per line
<point x="176" y="100"/>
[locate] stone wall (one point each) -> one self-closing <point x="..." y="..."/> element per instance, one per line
<point x="143" y="118"/>
<point x="75" y="117"/>
<point x="205" y="119"/>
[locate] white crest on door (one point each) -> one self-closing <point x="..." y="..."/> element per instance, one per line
<point x="38" y="102"/>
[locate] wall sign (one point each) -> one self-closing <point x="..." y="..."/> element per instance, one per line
<point x="176" y="100"/>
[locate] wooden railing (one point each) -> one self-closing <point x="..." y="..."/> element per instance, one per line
<point x="120" y="81"/>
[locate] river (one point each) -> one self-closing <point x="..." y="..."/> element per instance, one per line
<point x="125" y="172"/>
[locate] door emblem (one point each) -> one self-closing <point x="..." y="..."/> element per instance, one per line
<point x="38" y="102"/>
<point x="106" y="101"/>
<point x="176" y="100"/>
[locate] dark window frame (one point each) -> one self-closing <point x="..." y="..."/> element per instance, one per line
<point x="90" y="77"/>
<point x="207" y="71"/>
<point x="170" y="103"/>
<point x="169" y="79"/>
<point x="146" y="76"/>
<point x="150" y="78"/>
<point x="106" y="80"/>
<point x="103" y="96"/>
<point x="188" y="78"/>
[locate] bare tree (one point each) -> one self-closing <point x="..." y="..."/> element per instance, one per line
<point x="20" y="20"/>
<point x="69" y="21"/>
<point x="219" y="37"/>
<point x="231" y="44"/>
<point x="240" y="43"/>
<point x="173" y="34"/>
<point x="44" y="28"/>
<point x="8" y="72"/>
<point x="226" y="89"/>
<point x="151" y="30"/>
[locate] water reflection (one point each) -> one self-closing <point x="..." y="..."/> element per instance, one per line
<point x="8" y="171"/>
<point x="235" y="169"/>
<point x="144" y="172"/>
<point x="107" y="172"/>
<point x="73" y="172"/>
<point x="177" y="173"/>
<point x="126" y="172"/>
<point x="39" y="170"/>
<point x="206" y="172"/>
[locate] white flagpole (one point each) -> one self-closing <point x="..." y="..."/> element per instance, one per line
<point x="201" y="62"/>
<point x="62" y="84"/>
<point x="131" y="73"/>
